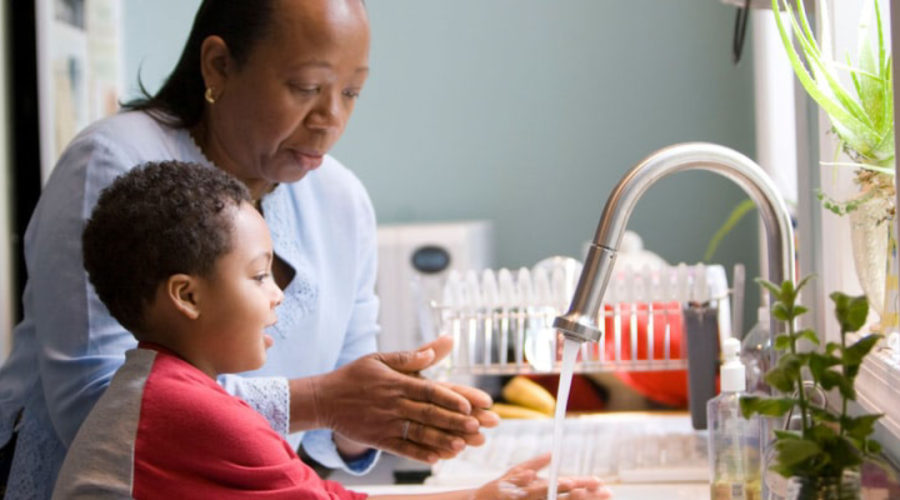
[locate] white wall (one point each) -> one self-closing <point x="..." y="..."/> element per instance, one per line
<point x="6" y="288"/>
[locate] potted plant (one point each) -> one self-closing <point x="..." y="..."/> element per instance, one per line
<point x="864" y="125"/>
<point x="863" y="121"/>
<point x="819" y="450"/>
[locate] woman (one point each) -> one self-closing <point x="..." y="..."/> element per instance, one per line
<point x="263" y="90"/>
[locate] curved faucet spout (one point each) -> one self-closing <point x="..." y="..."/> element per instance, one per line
<point x="580" y="322"/>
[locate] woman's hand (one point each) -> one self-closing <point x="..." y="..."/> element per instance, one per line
<point x="521" y="483"/>
<point x="379" y="400"/>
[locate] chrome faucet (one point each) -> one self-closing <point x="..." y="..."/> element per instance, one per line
<point x="580" y="323"/>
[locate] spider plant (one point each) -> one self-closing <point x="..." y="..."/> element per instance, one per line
<point x="863" y="123"/>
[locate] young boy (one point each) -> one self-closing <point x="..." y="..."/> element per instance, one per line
<point x="182" y="259"/>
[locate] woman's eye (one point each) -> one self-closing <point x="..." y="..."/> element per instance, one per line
<point x="306" y="89"/>
<point x="353" y="94"/>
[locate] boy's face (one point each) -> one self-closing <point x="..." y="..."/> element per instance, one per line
<point x="240" y="298"/>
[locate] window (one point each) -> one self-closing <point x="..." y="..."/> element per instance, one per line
<point x="830" y="237"/>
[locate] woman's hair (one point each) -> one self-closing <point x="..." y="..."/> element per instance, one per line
<point x="157" y="220"/>
<point x="240" y="23"/>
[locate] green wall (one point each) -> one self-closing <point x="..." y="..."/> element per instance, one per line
<point x="527" y="112"/>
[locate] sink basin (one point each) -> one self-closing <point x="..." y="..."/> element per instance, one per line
<point x="620" y="491"/>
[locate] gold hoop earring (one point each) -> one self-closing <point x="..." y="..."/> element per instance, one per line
<point x="210" y="98"/>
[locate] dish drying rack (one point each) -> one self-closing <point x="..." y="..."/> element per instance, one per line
<point x="502" y="324"/>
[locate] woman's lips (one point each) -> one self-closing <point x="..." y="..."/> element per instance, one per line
<point x="308" y="160"/>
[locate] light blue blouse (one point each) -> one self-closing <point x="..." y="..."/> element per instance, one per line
<point x="68" y="346"/>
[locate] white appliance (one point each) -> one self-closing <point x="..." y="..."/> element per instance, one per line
<point x="419" y="256"/>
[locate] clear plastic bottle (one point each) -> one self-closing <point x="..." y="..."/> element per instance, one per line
<point x="755" y="350"/>
<point x="734" y="458"/>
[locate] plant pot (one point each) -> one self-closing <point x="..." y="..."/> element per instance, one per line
<point x="826" y="488"/>
<point x="869" y="238"/>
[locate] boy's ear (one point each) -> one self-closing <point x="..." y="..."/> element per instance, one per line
<point x="182" y="290"/>
<point x="215" y="64"/>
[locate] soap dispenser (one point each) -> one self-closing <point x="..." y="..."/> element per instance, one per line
<point x="734" y="442"/>
<point x="756" y="348"/>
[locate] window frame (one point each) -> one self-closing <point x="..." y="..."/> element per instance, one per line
<point x="878" y="384"/>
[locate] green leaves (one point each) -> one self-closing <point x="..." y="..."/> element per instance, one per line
<point x="783" y="342"/>
<point x="863" y="122"/>
<point x="781" y="312"/>
<point x="738" y="213"/>
<point x="860" y="427"/>
<point x="809" y="335"/>
<point x="773" y="289"/>
<point x="854" y="354"/>
<point x="824" y="415"/>
<point x="828" y="443"/>
<point x="785" y="307"/>
<point x="851" y="312"/>
<point x="842" y="453"/>
<point x="786" y="373"/>
<point x="872" y="447"/>
<point x="794" y="451"/>
<point x="769" y="407"/>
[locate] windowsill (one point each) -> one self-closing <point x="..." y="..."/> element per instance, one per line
<point x="878" y="391"/>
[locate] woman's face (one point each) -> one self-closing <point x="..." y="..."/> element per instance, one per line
<point x="280" y="112"/>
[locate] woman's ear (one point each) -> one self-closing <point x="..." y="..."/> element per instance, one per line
<point x="215" y="64"/>
<point x="182" y="291"/>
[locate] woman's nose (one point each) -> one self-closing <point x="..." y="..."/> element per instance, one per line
<point x="328" y="115"/>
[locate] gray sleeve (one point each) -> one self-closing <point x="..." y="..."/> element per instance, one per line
<point x="100" y="462"/>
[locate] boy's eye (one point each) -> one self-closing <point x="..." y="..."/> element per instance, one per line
<point x="351" y="93"/>
<point x="261" y="277"/>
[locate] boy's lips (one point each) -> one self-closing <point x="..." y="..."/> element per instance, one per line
<point x="268" y="340"/>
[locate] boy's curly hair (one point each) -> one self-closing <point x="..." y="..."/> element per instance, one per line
<point x="155" y="221"/>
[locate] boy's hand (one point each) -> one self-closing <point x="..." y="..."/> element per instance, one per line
<point x="521" y="483"/>
<point x="379" y="400"/>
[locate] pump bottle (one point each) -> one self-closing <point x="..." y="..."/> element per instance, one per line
<point x="734" y="442"/>
<point x="755" y="351"/>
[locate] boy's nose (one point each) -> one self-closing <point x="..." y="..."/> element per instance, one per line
<point x="278" y="297"/>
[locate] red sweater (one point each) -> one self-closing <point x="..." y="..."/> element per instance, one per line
<point x="188" y="439"/>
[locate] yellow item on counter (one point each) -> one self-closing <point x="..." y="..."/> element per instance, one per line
<point x="516" y="412"/>
<point x="524" y="392"/>
<point x="724" y="490"/>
